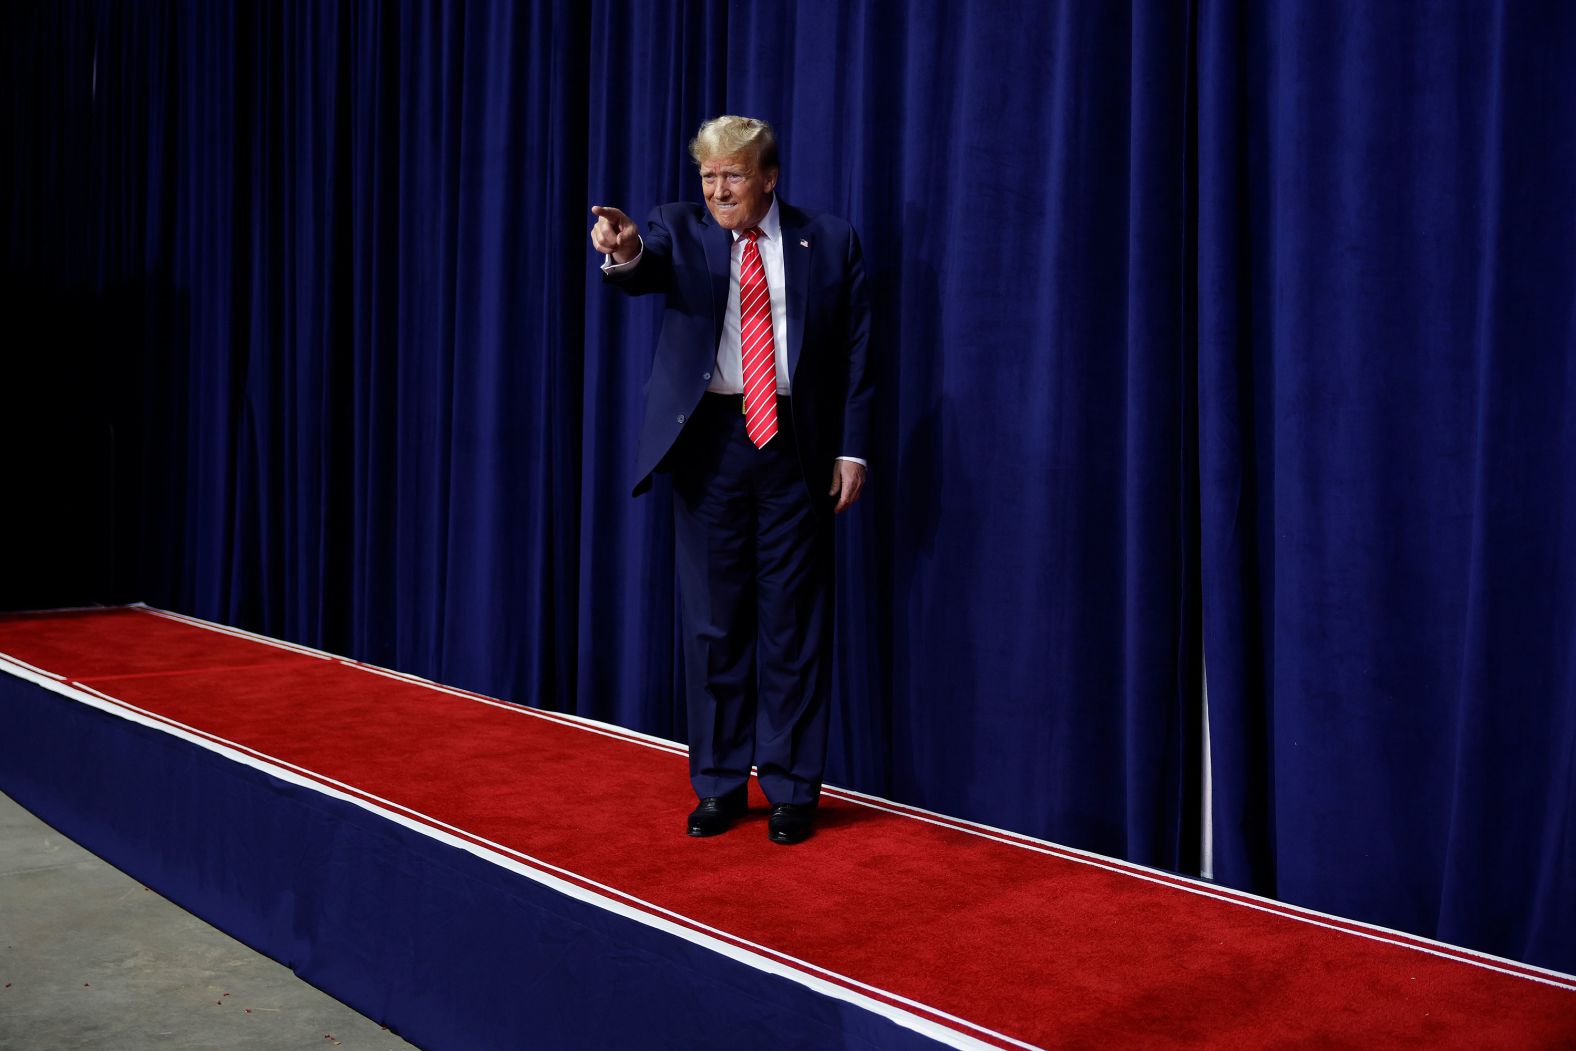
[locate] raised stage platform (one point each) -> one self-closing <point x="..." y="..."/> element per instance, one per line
<point x="478" y="874"/>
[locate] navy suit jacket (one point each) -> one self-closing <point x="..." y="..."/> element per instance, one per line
<point x="686" y="258"/>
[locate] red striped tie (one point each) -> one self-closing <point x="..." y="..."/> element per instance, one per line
<point x="758" y="350"/>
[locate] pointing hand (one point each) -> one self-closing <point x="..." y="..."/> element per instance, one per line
<point x="615" y="234"/>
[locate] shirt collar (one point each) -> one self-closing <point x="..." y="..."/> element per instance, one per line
<point x="771" y="226"/>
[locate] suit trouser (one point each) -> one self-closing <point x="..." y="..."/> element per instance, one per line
<point x="755" y="588"/>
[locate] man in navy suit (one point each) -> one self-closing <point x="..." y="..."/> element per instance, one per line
<point x="759" y="397"/>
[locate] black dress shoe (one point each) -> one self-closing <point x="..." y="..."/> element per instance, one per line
<point x="715" y="814"/>
<point x="790" y="823"/>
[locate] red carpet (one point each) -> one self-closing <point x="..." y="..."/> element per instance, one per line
<point x="991" y="937"/>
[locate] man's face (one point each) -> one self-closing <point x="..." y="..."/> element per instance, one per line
<point x="737" y="192"/>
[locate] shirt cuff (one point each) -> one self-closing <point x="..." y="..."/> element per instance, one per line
<point x="610" y="267"/>
<point x="855" y="459"/>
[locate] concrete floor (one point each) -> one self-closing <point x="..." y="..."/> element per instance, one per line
<point x="90" y="958"/>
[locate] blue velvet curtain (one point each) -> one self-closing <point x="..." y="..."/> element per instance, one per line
<point x="1246" y="319"/>
<point x="1387" y="349"/>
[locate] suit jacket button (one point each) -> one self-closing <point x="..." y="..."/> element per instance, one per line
<point x="705" y="375"/>
<point x="681" y="417"/>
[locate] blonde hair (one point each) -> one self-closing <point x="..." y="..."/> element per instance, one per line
<point x="727" y="135"/>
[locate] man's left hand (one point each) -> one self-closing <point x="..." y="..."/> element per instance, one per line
<point x="848" y="481"/>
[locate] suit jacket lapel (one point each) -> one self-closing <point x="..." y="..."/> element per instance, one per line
<point x="796" y="276"/>
<point x="719" y="250"/>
